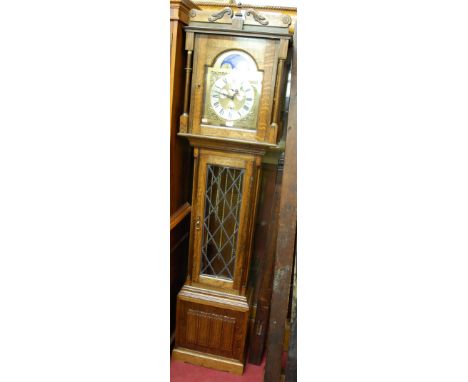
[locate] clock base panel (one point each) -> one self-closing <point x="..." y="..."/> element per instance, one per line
<point x="211" y="328"/>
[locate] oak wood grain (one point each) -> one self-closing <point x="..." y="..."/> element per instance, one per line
<point x="202" y="315"/>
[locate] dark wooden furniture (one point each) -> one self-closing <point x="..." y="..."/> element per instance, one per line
<point x="266" y="262"/>
<point x="180" y="155"/>
<point x="291" y="364"/>
<point x="234" y="85"/>
<point x="285" y="243"/>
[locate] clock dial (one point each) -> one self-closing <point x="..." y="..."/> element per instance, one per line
<point x="232" y="99"/>
<point x="233" y="91"/>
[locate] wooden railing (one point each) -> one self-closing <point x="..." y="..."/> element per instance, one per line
<point x="180" y="214"/>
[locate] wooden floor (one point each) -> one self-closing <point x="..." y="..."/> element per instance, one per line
<point x="183" y="372"/>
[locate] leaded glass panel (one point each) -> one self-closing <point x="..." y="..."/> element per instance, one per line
<point x="223" y="199"/>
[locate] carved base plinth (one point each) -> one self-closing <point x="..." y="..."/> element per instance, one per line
<point x="211" y="329"/>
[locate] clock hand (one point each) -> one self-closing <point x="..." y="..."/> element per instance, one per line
<point x="238" y="94"/>
<point x="224" y="94"/>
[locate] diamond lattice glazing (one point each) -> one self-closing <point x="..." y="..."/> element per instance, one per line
<point x="223" y="198"/>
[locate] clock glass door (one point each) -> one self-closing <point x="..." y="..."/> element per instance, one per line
<point x="221" y="211"/>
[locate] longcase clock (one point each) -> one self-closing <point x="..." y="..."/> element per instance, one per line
<point x="233" y="94"/>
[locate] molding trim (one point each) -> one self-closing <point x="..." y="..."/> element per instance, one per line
<point x="234" y="145"/>
<point x="255" y="6"/>
<point x="180" y="10"/>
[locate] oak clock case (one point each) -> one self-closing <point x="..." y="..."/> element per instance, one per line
<point x="231" y="110"/>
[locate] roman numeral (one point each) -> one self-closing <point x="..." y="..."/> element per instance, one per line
<point x="216" y="104"/>
<point x="245" y="107"/>
<point x="249" y="99"/>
